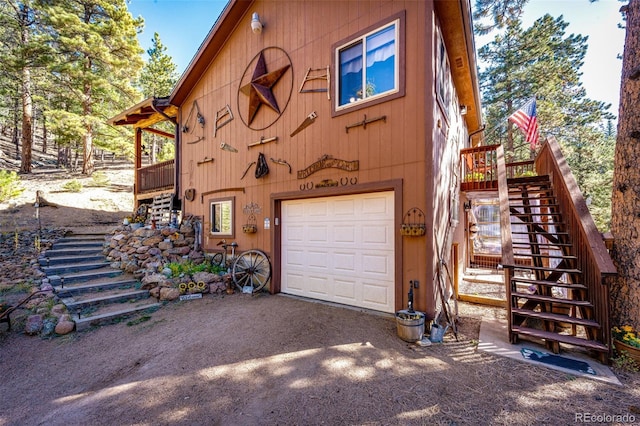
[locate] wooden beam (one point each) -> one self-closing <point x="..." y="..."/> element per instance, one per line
<point x="159" y="132"/>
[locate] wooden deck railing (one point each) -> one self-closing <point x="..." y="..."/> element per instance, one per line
<point x="157" y="177"/>
<point x="479" y="168"/>
<point x="593" y="258"/>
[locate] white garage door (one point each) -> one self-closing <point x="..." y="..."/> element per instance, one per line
<point x="340" y="249"/>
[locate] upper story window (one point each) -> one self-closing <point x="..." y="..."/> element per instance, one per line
<point x="368" y="65"/>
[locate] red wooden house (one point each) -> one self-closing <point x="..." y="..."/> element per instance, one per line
<point x="339" y="138"/>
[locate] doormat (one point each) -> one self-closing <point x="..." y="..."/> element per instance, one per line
<point x="557" y="360"/>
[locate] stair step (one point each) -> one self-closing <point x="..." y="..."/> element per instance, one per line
<point x="539" y="233"/>
<point x="550" y="299"/>
<point x="73" y="267"/>
<point x="72" y="252"/>
<point x="535" y="214"/>
<point x="68" y="291"/>
<point x="518" y="244"/>
<point x="562" y="338"/>
<point x="519" y="222"/>
<point x="102" y="317"/>
<point x="61" y="260"/>
<point x="548" y="283"/>
<point x="77" y="245"/>
<point x="84" y="276"/>
<point x="534" y="197"/>
<point x="548" y="256"/>
<point x="558" y="318"/>
<point x="528" y="180"/>
<point x="81" y="238"/>
<point x="73" y="305"/>
<point x="520" y="206"/>
<point x="548" y="269"/>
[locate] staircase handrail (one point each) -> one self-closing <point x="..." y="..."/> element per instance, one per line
<point x="593" y="259"/>
<point x="560" y="173"/>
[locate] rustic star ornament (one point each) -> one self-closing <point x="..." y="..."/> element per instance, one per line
<point x="259" y="89"/>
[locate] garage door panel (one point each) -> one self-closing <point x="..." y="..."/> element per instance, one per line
<point x="317" y="208"/>
<point x="376" y="264"/>
<point x="293" y="258"/>
<point x="318" y="285"/>
<point x="344" y="234"/>
<point x="379" y="235"/>
<point x="345" y="207"/>
<point x="342" y="249"/>
<point x="294" y="282"/>
<point x="318" y="259"/>
<point x="344" y="262"/>
<point x="345" y="291"/>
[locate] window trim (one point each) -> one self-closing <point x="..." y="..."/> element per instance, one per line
<point x="213" y="201"/>
<point x="400" y="21"/>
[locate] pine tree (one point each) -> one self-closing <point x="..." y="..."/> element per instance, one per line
<point x="625" y="210"/>
<point x="97" y="63"/>
<point x="159" y="74"/>
<point x="21" y="55"/>
<point x="157" y="79"/>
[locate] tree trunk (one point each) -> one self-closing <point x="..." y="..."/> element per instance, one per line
<point x="15" y="138"/>
<point x="27" y="121"/>
<point x="45" y="134"/>
<point x="625" y="209"/>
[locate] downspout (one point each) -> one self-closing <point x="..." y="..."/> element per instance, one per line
<point x="176" y="165"/>
<point x="475" y="132"/>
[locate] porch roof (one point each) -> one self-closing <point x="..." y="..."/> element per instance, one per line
<point x="146" y="113"/>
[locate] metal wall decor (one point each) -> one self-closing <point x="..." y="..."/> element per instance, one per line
<point x="251" y="209"/>
<point x="317" y="74"/>
<point x="262" y="141"/>
<point x="194" y="121"/>
<point x="413" y="223"/>
<point x="226" y="147"/>
<point x="366" y="121"/>
<point x="326" y="183"/>
<point x="282" y="163"/>
<point x="190" y="194"/>
<point x="257" y="89"/>
<point x="247" y="169"/>
<point x="326" y="162"/>
<point x="205" y="160"/>
<point x="306" y="123"/>
<point x="223" y="116"/>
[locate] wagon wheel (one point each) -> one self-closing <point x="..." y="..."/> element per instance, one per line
<point x="218" y="259"/>
<point x="252" y="268"/>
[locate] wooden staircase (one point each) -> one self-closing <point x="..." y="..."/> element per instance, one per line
<point x="547" y="298"/>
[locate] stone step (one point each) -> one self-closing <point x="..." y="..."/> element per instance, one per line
<point x="71" y="290"/>
<point x="112" y="313"/>
<point x="77" y="245"/>
<point x="72" y="252"/>
<point x="69" y="268"/>
<point x="68" y="260"/>
<point x="122" y="296"/>
<point x="78" y="277"/>
<point x="81" y="238"/>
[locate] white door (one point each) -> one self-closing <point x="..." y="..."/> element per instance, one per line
<point x="340" y="249"/>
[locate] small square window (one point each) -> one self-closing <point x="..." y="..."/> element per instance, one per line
<point x="368" y="65"/>
<point x="221" y="217"/>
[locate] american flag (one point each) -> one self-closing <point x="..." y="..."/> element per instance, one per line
<point x="526" y="119"/>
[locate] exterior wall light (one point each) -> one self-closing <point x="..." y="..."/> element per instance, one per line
<point x="256" y="25"/>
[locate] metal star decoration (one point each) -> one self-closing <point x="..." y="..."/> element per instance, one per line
<point x="259" y="89"/>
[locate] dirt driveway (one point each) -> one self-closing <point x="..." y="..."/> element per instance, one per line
<point x="267" y="360"/>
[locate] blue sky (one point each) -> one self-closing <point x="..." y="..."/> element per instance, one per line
<point x="184" y="24"/>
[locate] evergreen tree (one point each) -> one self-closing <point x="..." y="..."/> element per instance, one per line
<point x="157" y="79"/>
<point x="625" y="210"/>
<point x="21" y="54"/>
<point x="97" y="64"/>
<point x="159" y="74"/>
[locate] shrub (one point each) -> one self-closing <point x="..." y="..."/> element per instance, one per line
<point x="9" y="185"/>
<point x="73" y="186"/>
<point x="99" y="179"/>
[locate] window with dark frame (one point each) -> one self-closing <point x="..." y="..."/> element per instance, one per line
<point x="221" y="217"/>
<point x="368" y="65"/>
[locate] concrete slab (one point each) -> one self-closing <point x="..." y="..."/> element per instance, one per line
<point x="494" y="340"/>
